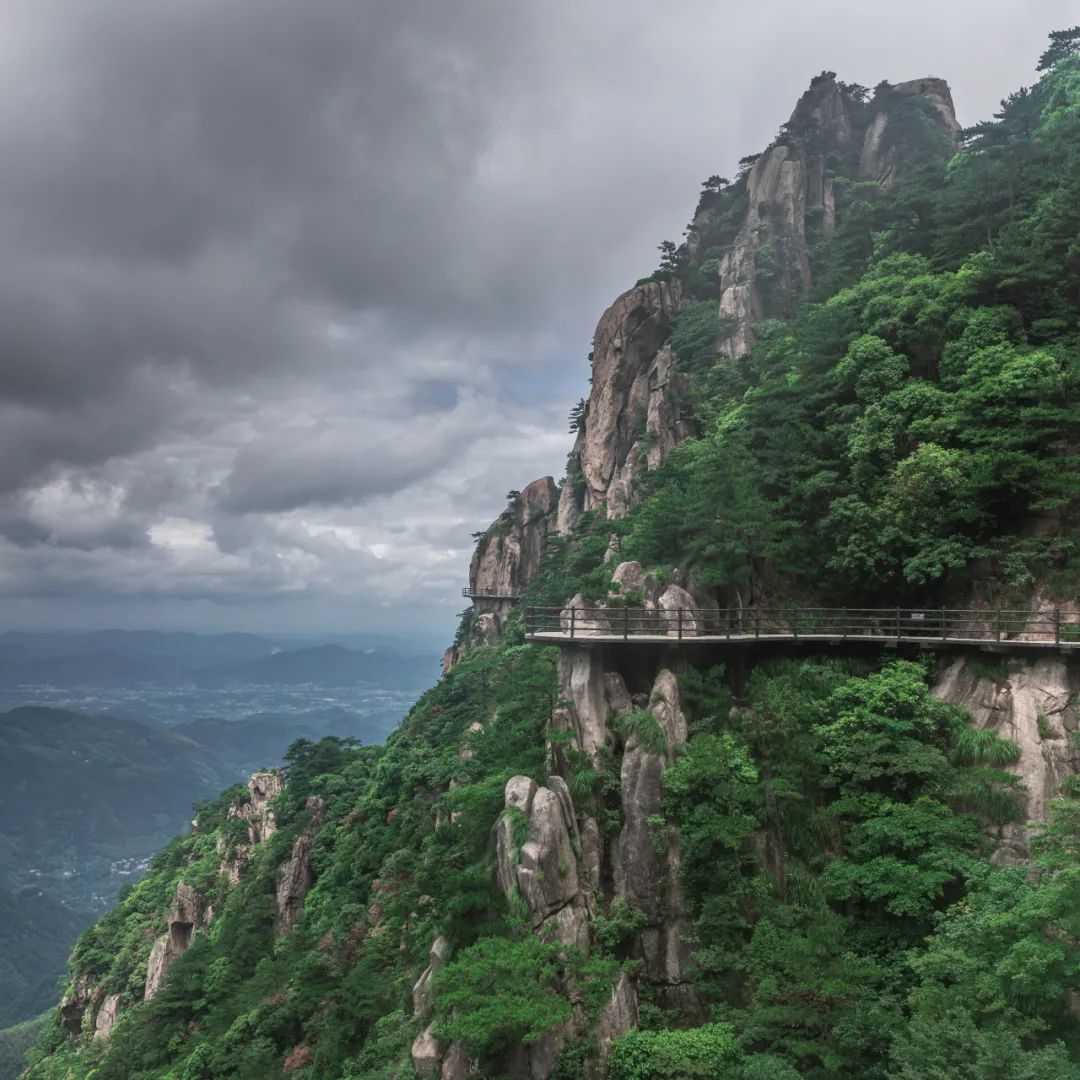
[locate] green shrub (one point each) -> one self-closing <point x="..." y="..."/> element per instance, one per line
<point x="708" y="1052"/>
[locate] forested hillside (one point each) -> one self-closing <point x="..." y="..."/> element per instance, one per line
<point x="854" y="382"/>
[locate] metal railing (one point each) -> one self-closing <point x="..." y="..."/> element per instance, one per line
<point x="961" y="625"/>
<point x="486" y="594"/>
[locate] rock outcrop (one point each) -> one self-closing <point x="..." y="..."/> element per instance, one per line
<point x="632" y="418"/>
<point x="81" y="997"/>
<point x="506" y="559"/>
<point x="263" y="788"/>
<point x="423" y="990"/>
<point x="508" y="554"/>
<point x="881" y="158"/>
<point x="1030" y="702"/>
<point x="788" y="190"/>
<point x="295" y="876"/>
<point x="592" y="697"/>
<point x="106" y="1016"/>
<point x="536" y="849"/>
<point x="190" y="912"/>
<point x="646" y="865"/>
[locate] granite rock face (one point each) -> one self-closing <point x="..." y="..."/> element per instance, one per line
<point x="634" y="416"/>
<point x="190" y="913"/>
<point x="508" y="554"/>
<point x="106" y="1016"/>
<point x="295" y="876"/>
<point x="536" y="851"/>
<point x="1011" y="704"/>
<point x="788" y="187"/>
<point x="881" y="158"/>
<point x="263" y="788"/>
<point x="646" y="866"/>
<point x="506" y="559"/>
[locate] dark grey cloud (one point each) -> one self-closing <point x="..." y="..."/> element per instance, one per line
<point x="292" y="293"/>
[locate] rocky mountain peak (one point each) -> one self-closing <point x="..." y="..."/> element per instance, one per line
<point x="825" y="105"/>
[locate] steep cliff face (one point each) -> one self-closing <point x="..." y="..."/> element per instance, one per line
<point x="636" y="412"/>
<point x="257" y="812"/>
<point x="189" y="914"/>
<point x="506" y="559"/>
<point x="634" y="415"/>
<point x="508" y="554"/>
<point x="630" y="388"/>
<point x="791" y="190"/>
<point x="1033" y="704"/>
<point x="554" y="857"/>
<point x="295" y="875"/>
<point x="881" y="155"/>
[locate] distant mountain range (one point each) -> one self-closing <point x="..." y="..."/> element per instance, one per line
<point x="115" y="658"/>
<point x="82" y="797"/>
<point x="86" y="793"/>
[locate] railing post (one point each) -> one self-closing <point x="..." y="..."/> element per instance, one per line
<point x="898" y="626"/>
<point x="680" y="624"/>
<point x="626" y="622"/>
<point x="997" y="621"/>
<point x="1057" y="626"/>
<point x="573" y="613"/>
<point x="757" y="623"/>
<point x="944" y="629"/>
<point x="844" y="623"/>
<point x="529" y="620"/>
<point x="795" y="625"/>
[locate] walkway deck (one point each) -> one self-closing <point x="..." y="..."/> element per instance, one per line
<point x="884" y="627"/>
<point x="486" y="594"/>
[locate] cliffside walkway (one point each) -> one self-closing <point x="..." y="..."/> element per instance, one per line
<point x="486" y="594"/>
<point x="925" y="627"/>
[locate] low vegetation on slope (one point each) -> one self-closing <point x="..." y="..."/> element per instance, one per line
<point x="834" y="866"/>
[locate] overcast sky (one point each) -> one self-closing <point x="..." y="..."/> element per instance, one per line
<point x="292" y="293"/>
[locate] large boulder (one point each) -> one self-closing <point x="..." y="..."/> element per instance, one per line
<point x="628" y="578"/>
<point x="426" y="1054"/>
<point x="583" y="617"/>
<point x="536" y="857"/>
<point x="678" y="612"/>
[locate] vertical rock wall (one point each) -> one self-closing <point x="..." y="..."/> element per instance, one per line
<point x="1032" y="702"/>
<point x="506" y="559"/>
<point x="633" y="416"/>
<point x="789" y="181"/>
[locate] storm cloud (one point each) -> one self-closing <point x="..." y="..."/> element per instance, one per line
<point x="291" y="294"/>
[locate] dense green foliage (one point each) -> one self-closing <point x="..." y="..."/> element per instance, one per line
<point x="919" y="407"/>
<point x="14" y="1043"/>
<point x="403" y="856"/>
